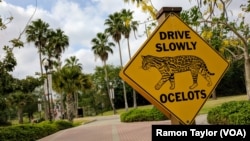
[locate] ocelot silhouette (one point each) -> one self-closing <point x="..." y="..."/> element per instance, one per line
<point x="168" y="66"/>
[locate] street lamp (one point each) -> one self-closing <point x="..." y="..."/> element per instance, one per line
<point x="39" y="106"/>
<point x="111" y="90"/>
<point x="46" y="66"/>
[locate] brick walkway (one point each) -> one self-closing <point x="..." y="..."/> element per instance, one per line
<point x="111" y="129"/>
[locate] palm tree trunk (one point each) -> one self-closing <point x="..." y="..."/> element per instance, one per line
<point x="123" y="83"/>
<point x="70" y="107"/>
<point x="109" y="94"/>
<point x="125" y="96"/>
<point x="20" y="115"/>
<point x="46" y="115"/>
<point x="76" y="104"/>
<point x="40" y="59"/>
<point x="214" y="94"/>
<point x="247" y="72"/>
<point x="62" y="108"/>
<point x="134" y="94"/>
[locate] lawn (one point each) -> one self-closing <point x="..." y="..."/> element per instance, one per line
<point x="210" y="103"/>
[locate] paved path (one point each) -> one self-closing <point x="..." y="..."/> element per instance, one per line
<point x="110" y="128"/>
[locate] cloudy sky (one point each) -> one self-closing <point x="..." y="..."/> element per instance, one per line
<point x="80" y="20"/>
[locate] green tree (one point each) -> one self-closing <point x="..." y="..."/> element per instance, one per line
<point x="70" y="81"/>
<point x="145" y="5"/>
<point x="72" y="61"/>
<point x="234" y="32"/>
<point x="50" y="43"/>
<point x="101" y="48"/>
<point x="7" y="65"/>
<point x="37" y="32"/>
<point x="115" y="29"/>
<point x="22" y="96"/>
<point x="100" y="86"/>
<point x="57" y="44"/>
<point x="19" y="100"/>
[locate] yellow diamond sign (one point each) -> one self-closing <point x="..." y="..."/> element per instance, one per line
<point x="175" y="69"/>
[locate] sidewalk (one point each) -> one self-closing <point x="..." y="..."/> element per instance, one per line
<point x="200" y="119"/>
<point x="110" y="128"/>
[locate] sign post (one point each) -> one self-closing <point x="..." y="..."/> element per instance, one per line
<point x="175" y="69"/>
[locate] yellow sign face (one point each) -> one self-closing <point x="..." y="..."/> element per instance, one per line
<point x="175" y="70"/>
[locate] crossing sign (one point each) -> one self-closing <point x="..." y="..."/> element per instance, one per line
<point x="175" y="69"/>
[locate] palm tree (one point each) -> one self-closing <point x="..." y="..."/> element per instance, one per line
<point x="127" y="17"/>
<point x="37" y="32"/>
<point x="72" y="61"/>
<point x="60" y="42"/>
<point x="101" y="48"/>
<point x="69" y="81"/>
<point x="56" y="45"/>
<point x="115" y="28"/>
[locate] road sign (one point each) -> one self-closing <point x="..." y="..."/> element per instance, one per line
<point x="175" y="69"/>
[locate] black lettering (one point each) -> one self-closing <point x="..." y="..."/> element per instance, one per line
<point x="197" y="94"/>
<point x="170" y="35"/>
<point x="163" y="98"/>
<point x="190" y="95"/>
<point x="183" y="97"/>
<point x="171" y="100"/>
<point x="164" y="47"/>
<point x="180" y="34"/>
<point x="203" y="94"/>
<point x="163" y="35"/>
<point x="188" y="47"/>
<point x="187" y="35"/>
<point x="158" y="47"/>
<point x="181" y="46"/>
<point x="175" y="35"/>
<point x="177" y="96"/>
<point x="194" y="45"/>
<point x="172" y="46"/>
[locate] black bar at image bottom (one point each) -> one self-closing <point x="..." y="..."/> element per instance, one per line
<point x="201" y="132"/>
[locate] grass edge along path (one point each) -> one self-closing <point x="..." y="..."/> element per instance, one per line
<point x="212" y="103"/>
<point x="209" y="104"/>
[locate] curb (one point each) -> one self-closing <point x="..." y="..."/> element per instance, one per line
<point x="89" y="121"/>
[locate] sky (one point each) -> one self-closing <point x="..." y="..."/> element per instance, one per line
<point x="80" y="20"/>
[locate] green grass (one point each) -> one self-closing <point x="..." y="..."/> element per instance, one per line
<point x="209" y="104"/>
<point x="120" y="111"/>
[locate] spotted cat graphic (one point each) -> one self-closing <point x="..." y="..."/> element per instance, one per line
<point x="168" y="66"/>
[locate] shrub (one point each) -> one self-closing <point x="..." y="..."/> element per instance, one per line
<point x="32" y="132"/>
<point x="230" y="113"/>
<point x="20" y="133"/>
<point x="158" y="115"/>
<point x="62" y="124"/>
<point x="135" y="115"/>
